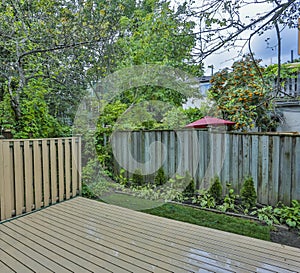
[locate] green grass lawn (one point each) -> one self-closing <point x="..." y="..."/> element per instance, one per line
<point x="192" y="215"/>
<point x="130" y="202"/>
<point x="212" y="220"/>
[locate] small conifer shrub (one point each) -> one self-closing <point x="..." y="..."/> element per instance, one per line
<point x="160" y="177"/>
<point x="248" y="193"/>
<point x="137" y="178"/>
<point x="216" y="188"/>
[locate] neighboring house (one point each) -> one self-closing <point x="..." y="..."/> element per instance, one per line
<point x="288" y="103"/>
<point x="204" y="85"/>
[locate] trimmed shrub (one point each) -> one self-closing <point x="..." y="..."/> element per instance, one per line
<point x="190" y="189"/>
<point x="137" y="178"/>
<point x="216" y="188"/>
<point x="248" y="193"/>
<point x="160" y="177"/>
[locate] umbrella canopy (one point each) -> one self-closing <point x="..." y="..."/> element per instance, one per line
<point x="209" y="121"/>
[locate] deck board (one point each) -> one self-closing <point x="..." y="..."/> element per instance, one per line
<point x="82" y="235"/>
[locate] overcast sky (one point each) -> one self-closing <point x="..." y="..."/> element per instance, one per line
<point x="261" y="49"/>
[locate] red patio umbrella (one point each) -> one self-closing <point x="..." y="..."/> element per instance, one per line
<point x="209" y="121"/>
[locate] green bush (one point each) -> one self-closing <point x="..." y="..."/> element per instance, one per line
<point x="215" y="189"/>
<point x="190" y="188"/>
<point x="289" y="215"/>
<point x="248" y="193"/>
<point x="137" y="178"/>
<point x="87" y="191"/>
<point x="160" y="177"/>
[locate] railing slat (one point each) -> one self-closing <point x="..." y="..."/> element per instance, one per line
<point x="28" y="176"/>
<point x="37" y="163"/>
<point x="68" y="168"/>
<point x="46" y="172"/>
<point x="74" y="168"/>
<point x="60" y="157"/>
<point x="53" y="171"/>
<point x="19" y="178"/>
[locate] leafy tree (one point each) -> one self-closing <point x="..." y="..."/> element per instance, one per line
<point x="156" y="35"/>
<point x="54" y="42"/>
<point x="243" y="96"/>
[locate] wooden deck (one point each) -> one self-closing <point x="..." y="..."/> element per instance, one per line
<point x="82" y="235"/>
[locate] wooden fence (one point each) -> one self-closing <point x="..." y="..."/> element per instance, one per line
<point x="37" y="173"/>
<point x="273" y="160"/>
<point x="291" y="88"/>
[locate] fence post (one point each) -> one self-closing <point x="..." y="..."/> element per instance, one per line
<point x="2" y="196"/>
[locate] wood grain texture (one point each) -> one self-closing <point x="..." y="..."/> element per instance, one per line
<point x="82" y="235"/>
<point x="272" y="160"/>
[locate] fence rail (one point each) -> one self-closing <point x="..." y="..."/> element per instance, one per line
<point x="37" y="173"/>
<point x="273" y="160"/>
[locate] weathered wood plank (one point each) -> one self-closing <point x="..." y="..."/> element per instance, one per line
<point x="264" y="190"/>
<point x="295" y="191"/>
<point x="274" y="159"/>
<point x="285" y="170"/>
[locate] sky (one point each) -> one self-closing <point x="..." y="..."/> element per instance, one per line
<point x="259" y="46"/>
<point x="261" y="49"/>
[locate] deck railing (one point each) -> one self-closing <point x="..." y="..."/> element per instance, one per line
<point x="35" y="173"/>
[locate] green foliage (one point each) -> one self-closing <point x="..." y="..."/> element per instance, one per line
<point x="194" y="114"/>
<point x="289" y="215"/>
<point x="87" y="191"/>
<point x="137" y="178"/>
<point x="243" y="95"/>
<point x="122" y="179"/>
<point x="160" y="177"/>
<point x="287" y="71"/>
<point x="229" y="201"/>
<point x="248" y="193"/>
<point x="204" y="199"/>
<point x="266" y="214"/>
<point x="110" y="114"/>
<point x="215" y="189"/>
<point x="190" y="189"/>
